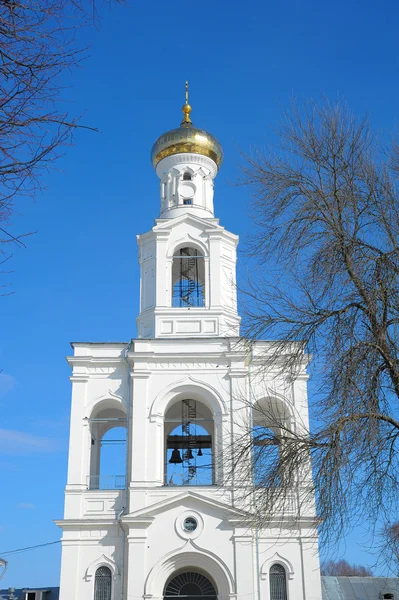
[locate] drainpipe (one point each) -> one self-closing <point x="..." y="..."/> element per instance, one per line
<point x="251" y="421"/>
<point x="118" y="518"/>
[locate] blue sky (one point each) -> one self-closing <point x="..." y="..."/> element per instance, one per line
<point x="78" y="278"/>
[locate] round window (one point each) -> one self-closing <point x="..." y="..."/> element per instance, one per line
<point x="190" y="524"/>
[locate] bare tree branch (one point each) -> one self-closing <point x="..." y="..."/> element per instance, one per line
<point x="326" y="213"/>
<point x="37" y="45"/>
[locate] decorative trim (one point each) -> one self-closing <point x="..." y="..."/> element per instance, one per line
<point x="188" y="385"/>
<point x="103" y="561"/>
<point x="280" y="560"/>
<point x="179" y="525"/>
<point x="185" y="158"/>
<point x="187" y="240"/>
<point x="109" y="400"/>
<point x="186" y="558"/>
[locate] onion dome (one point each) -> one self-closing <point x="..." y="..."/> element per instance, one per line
<point x="186" y="139"/>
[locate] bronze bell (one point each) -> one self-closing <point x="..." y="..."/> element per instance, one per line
<point x="175" y="459"/>
<point x="199" y="452"/>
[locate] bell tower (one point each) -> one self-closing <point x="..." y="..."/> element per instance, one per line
<point x="157" y="507"/>
<point x="187" y="260"/>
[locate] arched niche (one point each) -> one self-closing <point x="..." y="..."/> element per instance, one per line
<point x="108" y="433"/>
<point x="271" y="422"/>
<point x="189" y="443"/>
<point x="211" y="407"/>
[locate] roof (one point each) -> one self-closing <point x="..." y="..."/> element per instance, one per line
<point x="358" y="588"/>
<point x="52" y="593"/>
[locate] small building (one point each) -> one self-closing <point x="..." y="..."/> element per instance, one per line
<point x="49" y="593"/>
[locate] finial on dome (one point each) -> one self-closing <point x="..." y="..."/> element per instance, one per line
<point x="186" y="108"/>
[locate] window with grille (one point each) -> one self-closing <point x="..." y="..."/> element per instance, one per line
<point x="102" y="584"/>
<point x="278" y="583"/>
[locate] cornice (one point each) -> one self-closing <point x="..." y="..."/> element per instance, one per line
<point x="90" y="361"/>
<point x="169" y="162"/>
<point x="84" y="523"/>
<point x="221" y="234"/>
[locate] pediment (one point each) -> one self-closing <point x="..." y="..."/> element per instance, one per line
<point x="169" y="224"/>
<point x="192" y="500"/>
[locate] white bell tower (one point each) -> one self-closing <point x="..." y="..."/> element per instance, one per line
<point x="187" y="260"/>
<point x="153" y="508"/>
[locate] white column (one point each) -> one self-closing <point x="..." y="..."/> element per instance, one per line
<point x="138" y="441"/>
<point x="215" y="267"/>
<point x="310" y="568"/>
<point x="243" y="558"/>
<point x="136" y="560"/>
<point x="69" y="571"/>
<point x="79" y="458"/>
<point x="162" y="285"/>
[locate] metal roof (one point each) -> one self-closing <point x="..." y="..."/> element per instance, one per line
<point x="51" y="593"/>
<point x="359" y="588"/>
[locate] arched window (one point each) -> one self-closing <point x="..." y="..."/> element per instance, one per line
<point x="188" y="278"/>
<point x="102" y="584"/>
<point x="270" y="424"/>
<point x="187" y="176"/>
<point x="189" y="431"/>
<point x="266" y="455"/>
<point x="190" y="584"/>
<point x="278" y="583"/>
<point x="108" y="450"/>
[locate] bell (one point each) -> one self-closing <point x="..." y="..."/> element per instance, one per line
<point x="199" y="453"/>
<point x="188" y="455"/>
<point x="175" y="459"/>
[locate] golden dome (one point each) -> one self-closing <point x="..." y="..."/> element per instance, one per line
<point x="186" y="139"/>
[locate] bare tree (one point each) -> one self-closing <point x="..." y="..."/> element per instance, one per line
<point x="37" y="44"/>
<point x="326" y="213"/>
<point x="342" y="567"/>
<point x="388" y="546"/>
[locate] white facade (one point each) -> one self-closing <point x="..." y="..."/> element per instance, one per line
<point x="131" y="525"/>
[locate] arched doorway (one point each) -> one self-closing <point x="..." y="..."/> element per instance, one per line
<point x="190" y="584"/>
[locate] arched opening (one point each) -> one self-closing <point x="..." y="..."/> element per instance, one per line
<point x="278" y="583"/>
<point x="270" y="422"/>
<point x="102" y="584"/>
<point x="189" y="442"/>
<point x="190" y="584"/>
<point x="188" y="278"/>
<point x="187" y="176"/>
<point x="108" y="450"/>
